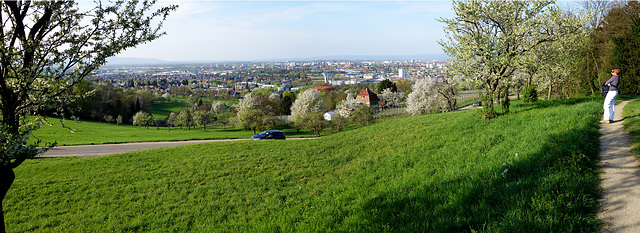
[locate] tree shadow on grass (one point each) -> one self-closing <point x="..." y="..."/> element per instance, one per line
<point x="524" y="107"/>
<point x="552" y="190"/>
<point x="630" y="117"/>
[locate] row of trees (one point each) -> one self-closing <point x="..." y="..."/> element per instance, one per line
<point x="498" y="44"/>
<point x="614" y="41"/>
<point x="256" y="111"/>
<point x="194" y="114"/>
<point x="502" y="46"/>
<point x="101" y="102"/>
<point x="306" y="112"/>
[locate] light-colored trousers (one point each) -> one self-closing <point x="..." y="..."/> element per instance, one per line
<point x="609" y="105"/>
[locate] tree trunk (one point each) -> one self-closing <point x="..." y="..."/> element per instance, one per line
<point x="6" y="180"/>
<point x="549" y="94"/>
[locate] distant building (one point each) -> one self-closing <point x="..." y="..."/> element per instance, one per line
<point x="329" y="115"/>
<point x="401" y="73"/>
<point x="342" y="81"/>
<point x="284" y="87"/>
<point x="324" y="88"/>
<point x="368" y="76"/>
<point x="368" y="97"/>
<point x="297" y="88"/>
<point x="327" y="77"/>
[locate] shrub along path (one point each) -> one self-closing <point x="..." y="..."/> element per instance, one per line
<point x="620" y="203"/>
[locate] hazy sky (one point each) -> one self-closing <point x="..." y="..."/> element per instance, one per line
<point x="243" y="30"/>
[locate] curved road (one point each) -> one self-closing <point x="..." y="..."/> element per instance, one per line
<point x="106" y="149"/>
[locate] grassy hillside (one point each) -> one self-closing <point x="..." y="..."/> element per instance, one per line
<point x="534" y="170"/>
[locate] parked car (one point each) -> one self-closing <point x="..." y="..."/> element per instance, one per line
<point x="269" y="134"/>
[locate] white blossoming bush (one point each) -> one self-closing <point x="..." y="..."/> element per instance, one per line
<point x="424" y="97"/>
<point x="390" y="98"/>
<point x="347" y="106"/>
<point x="218" y="107"/>
<point x="249" y="101"/>
<point x="248" y="112"/>
<point x="274" y="96"/>
<point x="309" y="101"/>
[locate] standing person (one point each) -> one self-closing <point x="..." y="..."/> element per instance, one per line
<point x="610" y="99"/>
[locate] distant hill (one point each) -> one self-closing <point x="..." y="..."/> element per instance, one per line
<point x="134" y="61"/>
<point x="420" y="57"/>
<point x="123" y="61"/>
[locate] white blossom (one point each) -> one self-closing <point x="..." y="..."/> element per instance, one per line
<point x="309" y="101"/>
<point x="218" y="107"/>
<point x="424" y="97"/>
<point x="390" y="98"/>
<point x="347" y="105"/>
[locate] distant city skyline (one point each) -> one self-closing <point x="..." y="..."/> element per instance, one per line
<point x="272" y="30"/>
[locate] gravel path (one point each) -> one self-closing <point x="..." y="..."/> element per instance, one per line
<point x="620" y="203"/>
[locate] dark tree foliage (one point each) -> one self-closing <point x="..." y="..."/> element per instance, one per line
<point x="626" y="56"/>
<point x="364" y="115"/>
<point x="386" y="84"/>
<point x="314" y="122"/>
<point x="105" y="101"/>
<point x="610" y="36"/>
<point x="285" y="105"/>
<point x="332" y="98"/>
<point x="529" y="94"/>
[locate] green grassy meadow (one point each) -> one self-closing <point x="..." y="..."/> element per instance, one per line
<point x="532" y="170"/>
<point x="161" y="110"/>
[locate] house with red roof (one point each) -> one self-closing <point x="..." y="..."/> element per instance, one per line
<point x="368" y="97"/>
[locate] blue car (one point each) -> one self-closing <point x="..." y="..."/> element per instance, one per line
<point x="269" y="134"/>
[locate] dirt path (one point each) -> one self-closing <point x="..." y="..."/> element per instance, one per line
<point x="620" y="203"/>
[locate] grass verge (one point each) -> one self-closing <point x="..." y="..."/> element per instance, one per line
<point x="631" y="116"/>
<point x="533" y="170"/>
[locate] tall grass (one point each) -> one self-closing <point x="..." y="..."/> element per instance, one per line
<point x="433" y="173"/>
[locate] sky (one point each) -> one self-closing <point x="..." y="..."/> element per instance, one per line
<point x="266" y="30"/>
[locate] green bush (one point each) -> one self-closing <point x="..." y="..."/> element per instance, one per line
<point x="529" y="94"/>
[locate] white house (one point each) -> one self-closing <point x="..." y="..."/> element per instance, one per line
<point x="328" y="115"/>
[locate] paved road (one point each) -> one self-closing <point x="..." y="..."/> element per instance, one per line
<point x="105" y="149"/>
